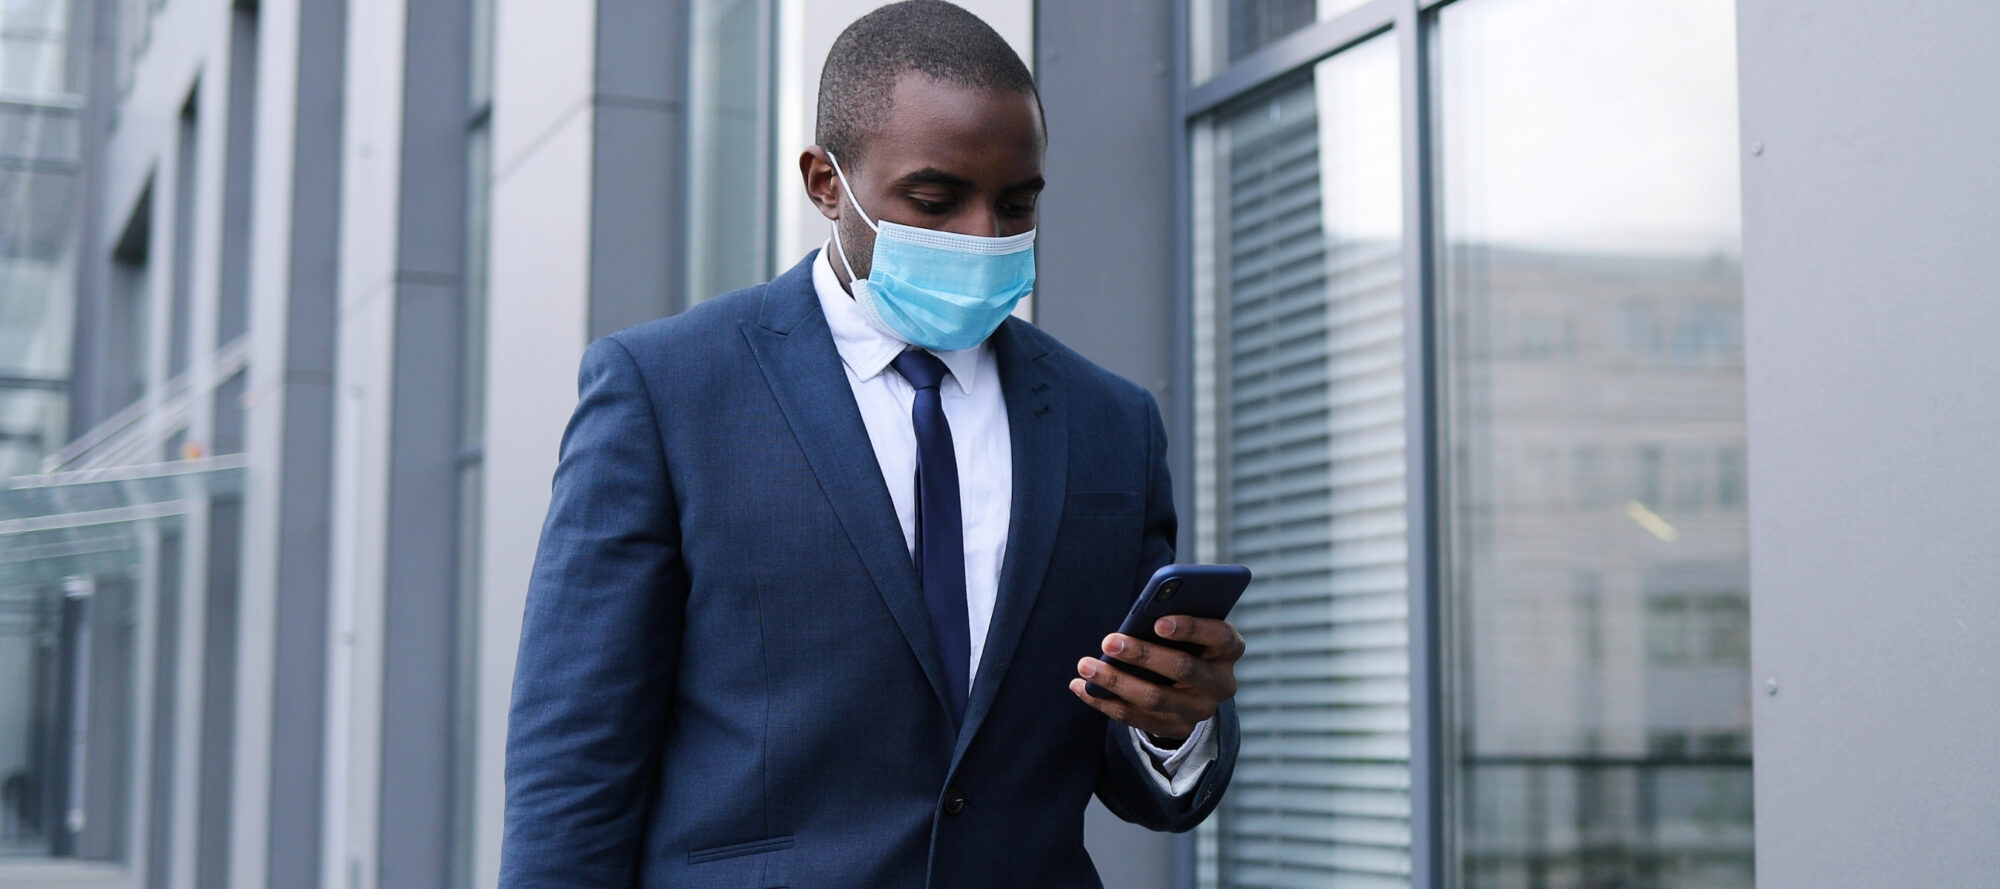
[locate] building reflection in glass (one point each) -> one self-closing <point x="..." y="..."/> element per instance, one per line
<point x="1595" y="441"/>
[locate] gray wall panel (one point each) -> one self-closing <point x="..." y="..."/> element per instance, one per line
<point x="1869" y="233"/>
<point x="1105" y="252"/>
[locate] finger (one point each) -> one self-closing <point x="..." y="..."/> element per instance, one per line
<point x="1154" y="704"/>
<point x="1218" y="638"/>
<point x="1135" y="691"/>
<point x="1123" y="713"/>
<point x="1178" y="666"/>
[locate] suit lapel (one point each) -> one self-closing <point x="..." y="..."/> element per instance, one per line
<point x="795" y="352"/>
<point x="1039" y="428"/>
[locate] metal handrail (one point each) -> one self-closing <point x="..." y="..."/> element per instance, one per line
<point x="126" y="433"/>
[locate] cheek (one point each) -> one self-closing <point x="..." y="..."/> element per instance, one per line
<point x="858" y="241"/>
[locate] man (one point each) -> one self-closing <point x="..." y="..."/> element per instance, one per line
<point x="829" y="559"/>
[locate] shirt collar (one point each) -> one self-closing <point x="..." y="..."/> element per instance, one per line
<point x="865" y="349"/>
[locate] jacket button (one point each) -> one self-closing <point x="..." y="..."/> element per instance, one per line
<point x="954" y="802"/>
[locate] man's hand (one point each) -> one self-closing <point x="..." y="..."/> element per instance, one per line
<point x="1201" y="681"/>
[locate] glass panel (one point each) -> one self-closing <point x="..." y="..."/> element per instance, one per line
<point x="1594" y="372"/>
<point x="88" y="566"/>
<point x="66" y="672"/>
<point x="471" y="445"/>
<point x="42" y="134"/>
<point x="34" y="49"/>
<point x="465" y="678"/>
<point x="728" y="86"/>
<point x="32" y="422"/>
<point x="38" y="224"/>
<point x="37" y="275"/>
<point x="1300" y="471"/>
<point x="1227" y="30"/>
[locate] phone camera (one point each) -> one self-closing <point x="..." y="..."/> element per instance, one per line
<point x="1168" y="589"/>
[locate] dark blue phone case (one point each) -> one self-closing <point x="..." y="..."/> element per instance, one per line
<point x="1207" y="591"/>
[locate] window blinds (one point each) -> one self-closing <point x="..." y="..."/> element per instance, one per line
<point x="1306" y="475"/>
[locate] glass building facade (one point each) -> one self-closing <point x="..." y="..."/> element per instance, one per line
<point x="1564" y="235"/>
<point x="1443" y="301"/>
<point x="45" y="631"/>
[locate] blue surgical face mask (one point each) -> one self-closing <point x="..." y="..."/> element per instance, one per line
<point x="934" y="289"/>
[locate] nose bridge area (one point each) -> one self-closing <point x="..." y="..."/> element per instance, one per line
<point x="981" y="217"/>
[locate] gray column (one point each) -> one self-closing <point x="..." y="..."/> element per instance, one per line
<point x="295" y="223"/>
<point x="414" y="825"/>
<point x="638" y="165"/>
<point x="1106" y="263"/>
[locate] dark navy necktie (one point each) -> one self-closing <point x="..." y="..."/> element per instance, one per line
<point x="940" y="549"/>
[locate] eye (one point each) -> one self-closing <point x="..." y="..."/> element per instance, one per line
<point x="929" y="206"/>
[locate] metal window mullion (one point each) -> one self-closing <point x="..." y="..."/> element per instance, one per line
<point x="1185" y="864"/>
<point x="1423" y="480"/>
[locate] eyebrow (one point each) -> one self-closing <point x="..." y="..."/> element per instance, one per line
<point x="935" y="176"/>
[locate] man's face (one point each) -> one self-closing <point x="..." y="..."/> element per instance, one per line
<point x="945" y="157"/>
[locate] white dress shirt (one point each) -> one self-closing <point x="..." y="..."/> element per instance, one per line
<point x="977" y="414"/>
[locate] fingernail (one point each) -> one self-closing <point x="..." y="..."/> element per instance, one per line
<point x="1114" y="645"/>
<point x="1086" y="668"/>
<point x="1167" y="626"/>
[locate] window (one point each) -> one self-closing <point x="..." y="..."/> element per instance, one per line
<point x="471" y="441"/>
<point x="1228" y="30"/>
<point x="1589" y="174"/>
<point x="1581" y="574"/>
<point x="1300" y="353"/>
<point x="729" y="145"/>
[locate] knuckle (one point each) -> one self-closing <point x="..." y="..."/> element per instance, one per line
<point x="1149" y="697"/>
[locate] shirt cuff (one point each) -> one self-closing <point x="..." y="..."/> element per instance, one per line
<point x="1177" y="771"/>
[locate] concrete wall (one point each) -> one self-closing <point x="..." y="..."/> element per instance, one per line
<point x="1870" y="266"/>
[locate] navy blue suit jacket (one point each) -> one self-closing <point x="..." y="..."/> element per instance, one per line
<point x="727" y="677"/>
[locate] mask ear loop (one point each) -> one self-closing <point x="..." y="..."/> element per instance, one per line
<point x="848" y="190"/>
<point x="848" y="193"/>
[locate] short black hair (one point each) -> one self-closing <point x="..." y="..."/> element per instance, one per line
<point x="930" y="37"/>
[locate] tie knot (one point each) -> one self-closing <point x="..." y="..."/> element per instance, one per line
<point x="922" y="369"/>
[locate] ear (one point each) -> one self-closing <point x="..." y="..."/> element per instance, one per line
<point x="822" y="186"/>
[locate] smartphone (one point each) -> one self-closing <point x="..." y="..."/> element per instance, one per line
<point x="1195" y="590"/>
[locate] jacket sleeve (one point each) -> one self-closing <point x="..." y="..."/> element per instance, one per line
<point x="1123" y="785"/>
<point x="599" y="640"/>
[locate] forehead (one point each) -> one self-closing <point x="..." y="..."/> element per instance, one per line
<point x="973" y="132"/>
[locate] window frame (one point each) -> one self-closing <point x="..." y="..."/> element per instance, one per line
<point x="1411" y="23"/>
